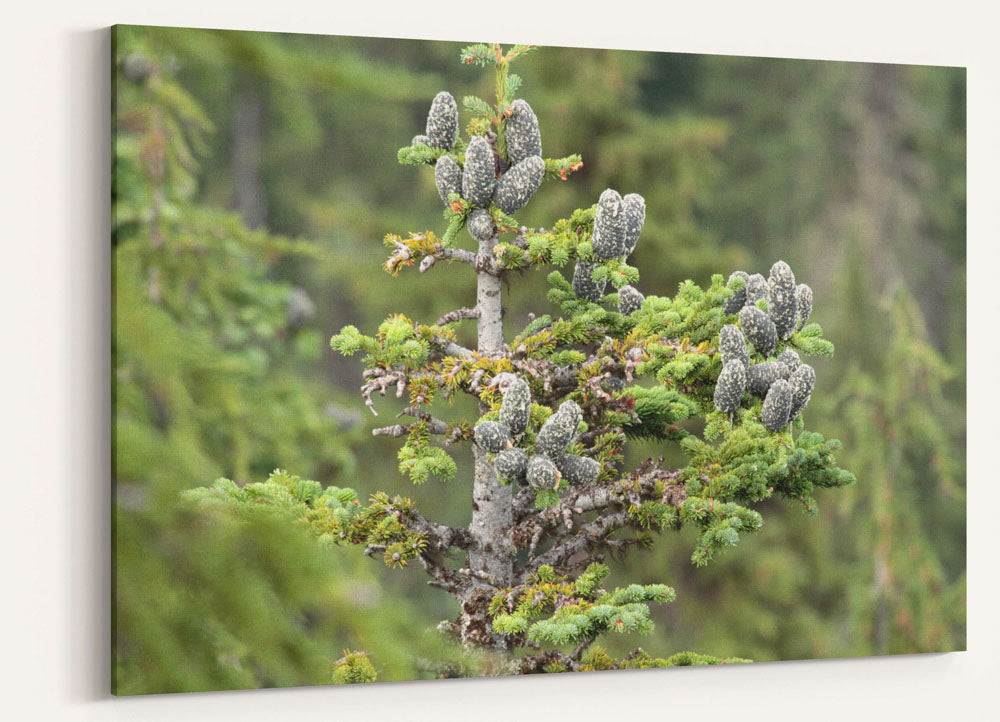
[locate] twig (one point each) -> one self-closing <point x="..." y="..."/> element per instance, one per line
<point x="459" y="314"/>
<point x="451" y="254"/>
<point x="478" y="575"/>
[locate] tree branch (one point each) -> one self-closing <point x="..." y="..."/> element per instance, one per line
<point x="434" y="425"/>
<point x="591" y="535"/>
<point x="442" y="536"/>
<point x="450" y="348"/>
<point x="617" y="496"/>
<point x="455" y="254"/>
<point x="459" y="314"/>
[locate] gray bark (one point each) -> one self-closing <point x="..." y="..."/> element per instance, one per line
<point x="491" y="558"/>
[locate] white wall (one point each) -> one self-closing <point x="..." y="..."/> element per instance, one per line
<point x="54" y="387"/>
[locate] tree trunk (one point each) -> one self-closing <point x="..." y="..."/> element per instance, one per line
<point x="248" y="189"/>
<point x="492" y="514"/>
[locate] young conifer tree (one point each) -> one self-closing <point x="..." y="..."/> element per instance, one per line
<point x="558" y="402"/>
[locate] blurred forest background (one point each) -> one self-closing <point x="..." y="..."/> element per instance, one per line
<point x="255" y="175"/>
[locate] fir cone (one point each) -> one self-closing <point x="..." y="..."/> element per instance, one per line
<point x="492" y="436"/>
<point x="542" y="473"/>
<point x="629" y="300"/>
<point x="584" y="285"/>
<point x="761" y="376"/>
<point x="782" y="305"/>
<point x="634" y="207"/>
<point x="804" y="300"/>
<point x="732" y="345"/>
<point x="558" y="430"/>
<point x="442" y="121"/>
<point x="790" y="359"/>
<point x="420" y="139"/>
<point x="480" y="224"/>
<point x="738" y="300"/>
<point x="802" y="381"/>
<point x="511" y="464"/>
<point x="479" y="176"/>
<point x="523" y="137"/>
<point x="609" y="226"/>
<point x="448" y="177"/>
<point x="731" y="385"/>
<point x="579" y="469"/>
<point x="757" y="289"/>
<point x="571" y="409"/>
<point x="613" y="383"/>
<point x="758" y="328"/>
<point x="515" y="410"/>
<point x="517" y="185"/>
<point x="777" y="406"/>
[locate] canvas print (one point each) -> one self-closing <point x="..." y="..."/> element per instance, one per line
<point x="437" y="360"/>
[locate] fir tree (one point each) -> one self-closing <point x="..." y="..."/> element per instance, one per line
<point x="557" y="404"/>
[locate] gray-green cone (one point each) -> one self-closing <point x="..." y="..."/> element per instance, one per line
<point x="583" y="283"/>
<point x="761" y="376"/>
<point x="777" y="406"/>
<point x="448" y="177"/>
<point x="479" y="175"/>
<point x="738" y="300"/>
<point x="492" y="436"/>
<point x="515" y="410"/>
<point x="511" y="464"/>
<point x="571" y="409"/>
<point x="731" y="385"/>
<point x="579" y="469"/>
<point x="518" y="184"/>
<point x="480" y="224"/>
<point x="420" y="139"/>
<point x="782" y="305"/>
<point x="756" y="289"/>
<point x="758" y="328"/>
<point x="802" y="381"/>
<point x="790" y="359"/>
<point x="442" y="121"/>
<point x="613" y="383"/>
<point x="558" y="430"/>
<point x="609" y="226"/>
<point x="732" y="345"/>
<point x="523" y="137"/>
<point x="629" y="300"/>
<point x="542" y="473"/>
<point x="634" y="207"/>
<point x="804" y="300"/>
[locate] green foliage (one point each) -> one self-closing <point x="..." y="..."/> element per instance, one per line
<point x="421" y="460"/>
<point x="597" y="659"/>
<point x="551" y="608"/>
<point x="354" y="668"/>
<point x="215" y="375"/>
<point x="334" y="515"/>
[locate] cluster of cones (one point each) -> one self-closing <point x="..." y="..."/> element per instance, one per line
<point x="485" y="177"/>
<point x="550" y="462"/>
<point x="617" y="225"/>
<point x="785" y="383"/>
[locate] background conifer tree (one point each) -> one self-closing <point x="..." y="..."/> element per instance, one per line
<point x="215" y="372"/>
